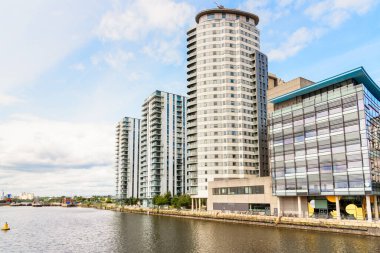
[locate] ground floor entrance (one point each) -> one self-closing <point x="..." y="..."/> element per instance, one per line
<point x="337" y="207"/>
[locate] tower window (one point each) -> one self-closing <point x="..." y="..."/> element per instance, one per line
<point x="210" y="16"/>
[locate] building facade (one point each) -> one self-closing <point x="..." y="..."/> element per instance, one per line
<point x="127" y="158"/>
<point x="227" y="83"/>
<point x="163" y="146"/>
<point x="254" y="195"/>
<point x="278" y="87"/>
<point x="249" y="194"/>
<point x="324" y="146"/>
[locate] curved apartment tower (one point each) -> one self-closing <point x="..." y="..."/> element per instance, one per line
<point x="227" y="82"/>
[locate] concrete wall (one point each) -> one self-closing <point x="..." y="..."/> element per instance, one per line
<point x="241" y="201"/>
<point x="289" y="206"/>
<point x="283" y="87"/>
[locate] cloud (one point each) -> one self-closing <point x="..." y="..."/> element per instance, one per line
<point x="326" y="15"/>
<point x="116" y="59"/>
<point x="6" y="100"/>
<point x="265" y="11"/>
<point x="163" y="21"/>
<point x="37" y="35"/>
<point x="336" y="12"/>
<point x="54" y="150"/>
<point x="78" y="66"/>
<point x="297" y="41"/>
<point x="137" y="19"/>
<point x="69" y="182"/>
<point x="165" y="51"/>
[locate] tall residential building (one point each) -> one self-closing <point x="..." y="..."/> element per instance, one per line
<point x="253" y="194"/>
<point x="127" y="158"/>
<point x="163" y="145"/>
<point x="324" y="147"/>
<point x="227" y="83"/>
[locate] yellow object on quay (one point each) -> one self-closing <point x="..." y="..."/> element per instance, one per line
<point x="6" y="227"/>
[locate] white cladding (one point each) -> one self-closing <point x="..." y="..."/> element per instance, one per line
<point x="223" y="112"/>
<point x="163" y="149"/>
<point x="127" y="158"/>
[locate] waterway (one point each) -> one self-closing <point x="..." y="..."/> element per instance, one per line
<point x="57" y="229"/>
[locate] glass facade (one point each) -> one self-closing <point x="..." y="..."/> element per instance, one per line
<point x="326" y="142"/>
<point x="257" y="189"/>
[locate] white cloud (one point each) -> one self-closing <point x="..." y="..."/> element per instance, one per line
<point x="327" y="15"/>
<point x="36" y="35"/>
<point x="78" y="66"/>
<point x="6" y="100"/>
<point x="115" y="59"/>
<point x="266" y="13"/>
<point x="138" y="18"/>
<point x="295" y="43"/>
<point x="163" y="21"/>
<point x="97" y="180"/>
<point x="284" y="3"/>
<point x="54" y="150"/>
<point x="165" y="51"/>
<point x="333" y="13"/>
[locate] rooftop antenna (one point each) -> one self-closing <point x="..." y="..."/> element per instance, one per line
<point x="219" y="5"/>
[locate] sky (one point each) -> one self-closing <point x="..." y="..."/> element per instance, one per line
<point x="70" y="70"/>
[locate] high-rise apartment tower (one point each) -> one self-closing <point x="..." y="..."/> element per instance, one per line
<point x="127" y="158"/>
<point x="227" y="81"/>
<point x="163" y="145"/>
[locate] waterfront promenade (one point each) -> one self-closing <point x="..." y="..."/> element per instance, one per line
<point x="326" y="225"/>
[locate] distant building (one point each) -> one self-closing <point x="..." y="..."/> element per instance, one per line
<point x="227" y="84"/>
<point x="324" y="147"/>
<point x="278" y="87"/>
<point x="26" y="196"/>
<point x="163" y="146"/>
<point x="127" y="158"/>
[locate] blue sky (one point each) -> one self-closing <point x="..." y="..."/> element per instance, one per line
<point x="70" y="70"/>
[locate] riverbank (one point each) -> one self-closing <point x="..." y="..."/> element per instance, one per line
<point x="326" y="225"/>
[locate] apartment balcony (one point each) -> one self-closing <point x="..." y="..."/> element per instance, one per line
<point x="191" y="32"/>
<point x="192" y="103"/>
<point x="190" y="45"/>
<point x="191" y="67"/>
<point x="192" y="52"/>
<point x="191" y="35"/>
<point x="192" y="160"/>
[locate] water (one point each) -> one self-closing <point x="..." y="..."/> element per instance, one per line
<point x="56" y="229"/>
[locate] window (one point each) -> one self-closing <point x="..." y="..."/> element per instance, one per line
<point x="356" y="181"/>
<point x="223" y="15"/>
<point x="341" y="182"/>
<point x="210" y="16"/>
<point x="256" y="207"/>
<point x="312" y="165"/>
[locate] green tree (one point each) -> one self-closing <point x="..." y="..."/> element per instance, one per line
<point x="167" y="198"/>
<point x="175" y="201"/>
<point x="184" y="201"/>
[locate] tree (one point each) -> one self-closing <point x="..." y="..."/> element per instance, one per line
<point x="167" y="198"/>
<point x="161" y="200"/>
<point x="184" y="201"/>
<point x="175" y="202"/>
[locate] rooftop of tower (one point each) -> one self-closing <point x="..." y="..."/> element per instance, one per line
<point x="229" y="11"/>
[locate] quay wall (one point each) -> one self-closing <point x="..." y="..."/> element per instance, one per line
<point x="325" y="225"/>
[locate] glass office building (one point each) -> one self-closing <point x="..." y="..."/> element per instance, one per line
<point x="324" y="142"/>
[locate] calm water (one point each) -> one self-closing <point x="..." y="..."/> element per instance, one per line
<point x="56" y="229"/>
